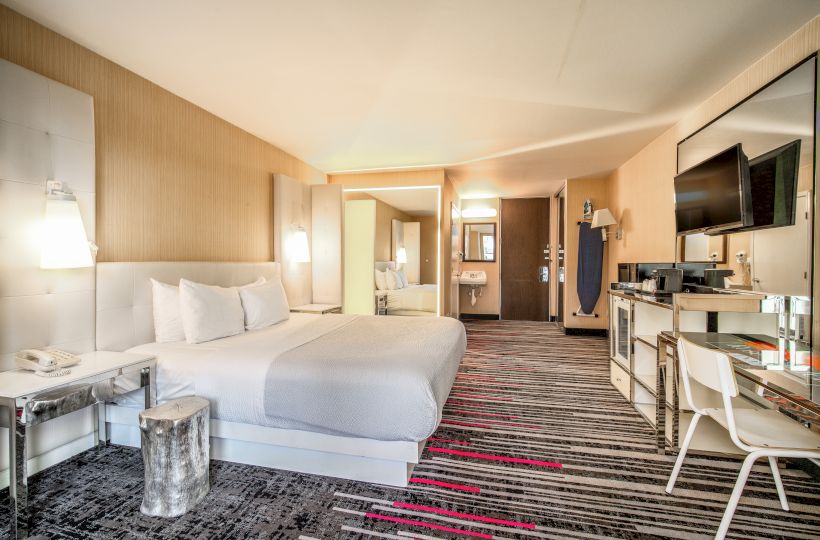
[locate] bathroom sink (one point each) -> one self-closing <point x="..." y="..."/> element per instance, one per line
<point x="473" y="277"/>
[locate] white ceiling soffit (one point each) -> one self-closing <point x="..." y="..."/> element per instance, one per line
<point x="552" y="88"/>
<point x="416" y="202"/>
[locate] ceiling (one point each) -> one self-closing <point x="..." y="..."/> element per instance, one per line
<point x="510" y="97"/>
<point x="413" y="201"/>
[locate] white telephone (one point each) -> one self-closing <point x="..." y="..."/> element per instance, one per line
<point x="51" y="363"/>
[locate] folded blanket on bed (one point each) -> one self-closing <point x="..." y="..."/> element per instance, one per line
<point x="384" y="378"/>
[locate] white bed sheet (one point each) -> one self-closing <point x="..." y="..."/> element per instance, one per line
<point x="231" y="373"/>
<point x="413" y="298"/>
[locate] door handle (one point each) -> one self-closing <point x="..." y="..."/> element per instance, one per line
<point x="544" y="274"/>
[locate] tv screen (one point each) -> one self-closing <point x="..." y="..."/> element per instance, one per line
<point x="773" y="181"/>
<point x="714" y="195"/>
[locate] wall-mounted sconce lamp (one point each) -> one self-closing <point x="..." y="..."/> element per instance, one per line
<point x="401" y="255"/>
<point x="65" y="243"/>
<point x="479" y="212"/>
<point x="298" y="247"/>
<point x="603" y="218"/>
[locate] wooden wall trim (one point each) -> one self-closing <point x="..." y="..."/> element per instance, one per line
<point x="174" y="182"/>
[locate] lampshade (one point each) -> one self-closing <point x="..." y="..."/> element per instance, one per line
<point x="298" y="247"/>
<point x="65" y="244"/>
<point x="401" y="255"/>
<point x="602" y="218"/>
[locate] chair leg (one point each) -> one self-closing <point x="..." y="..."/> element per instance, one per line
<point x="682" y="453"/>
<point x="745" y="469"/>
<point x="781" y="492"/>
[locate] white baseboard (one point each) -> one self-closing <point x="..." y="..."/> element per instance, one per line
<point x="52" y="457"/>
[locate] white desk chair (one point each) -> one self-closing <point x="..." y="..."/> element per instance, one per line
<point x="760" y="432"/>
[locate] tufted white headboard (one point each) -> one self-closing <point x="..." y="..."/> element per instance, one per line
<point x="125" y="316"/>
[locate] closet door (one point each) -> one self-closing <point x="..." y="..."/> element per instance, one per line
<point x="359" y="257"/>
<point x="412" y="244"/>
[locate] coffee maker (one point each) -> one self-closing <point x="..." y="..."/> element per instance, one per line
<point x="715" y="277"/>
<point x="668" y="280"/>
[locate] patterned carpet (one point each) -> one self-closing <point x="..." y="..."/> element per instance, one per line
<point x="534" y="443"/>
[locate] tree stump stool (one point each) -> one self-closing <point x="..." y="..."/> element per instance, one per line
<point x="175" y="451"/>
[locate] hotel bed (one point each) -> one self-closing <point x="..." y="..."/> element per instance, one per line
<point x="340" y="395"/>
<point x="326" y="374"/>
<point x="413" y="300"/>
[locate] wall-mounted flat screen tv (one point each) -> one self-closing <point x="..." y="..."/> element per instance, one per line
<point x="713" y="195"/>
<point x="773" y="181"/>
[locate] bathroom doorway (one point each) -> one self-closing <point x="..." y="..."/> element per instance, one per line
<point x="524" y="259"/>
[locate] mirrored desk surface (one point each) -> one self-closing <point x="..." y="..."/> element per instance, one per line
<point x="785" y="367"/>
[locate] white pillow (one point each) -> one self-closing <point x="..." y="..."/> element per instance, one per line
<point x="381" y="280"/>
<point x="264" y="305"/>
<point x="393" y="280"/>
<point x="167" y="319"/>
<point x="403" y="277"/>
<point x="209" y="312"/>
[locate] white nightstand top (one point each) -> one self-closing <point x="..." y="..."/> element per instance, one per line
<point x="317" y="308"/>
<point x="94" y="367"/>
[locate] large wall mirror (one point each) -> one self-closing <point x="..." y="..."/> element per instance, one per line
<point x="776" y="260"/>
<point x="479" y="242"/>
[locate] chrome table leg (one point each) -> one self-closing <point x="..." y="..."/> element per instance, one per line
<point x="18" y="473"/>
<point x="102" y="431"/>
<point x="148" y="382"/>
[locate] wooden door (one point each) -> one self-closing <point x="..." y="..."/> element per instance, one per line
<point x="524" y="233"/>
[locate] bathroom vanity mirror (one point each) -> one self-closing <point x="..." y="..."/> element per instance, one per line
<point x="772" y="260"/>
<point x="479" y="242"/>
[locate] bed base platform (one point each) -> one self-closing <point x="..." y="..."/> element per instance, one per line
<point x="364" y="460"/>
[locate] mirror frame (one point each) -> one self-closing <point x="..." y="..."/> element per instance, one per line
<point x="721" y="260"/>
<point x="464" y="241"/>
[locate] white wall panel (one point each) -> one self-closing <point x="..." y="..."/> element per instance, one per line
<point x="326" y="218"/>
<point x="25" y="154"/>
<point x="292" y="208"/>
<point x="46" y="132"/>
<point x="69" y="314"/>
<point x="24" y="322"/>
<point x="71" y="113"/>
<point x="72" y="162"/>
<point x="21" y="209"/>
<point x="23" y="97"/>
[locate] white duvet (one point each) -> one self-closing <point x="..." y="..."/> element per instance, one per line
<point x="234" y="374"/>
<point x="413" y="298"/>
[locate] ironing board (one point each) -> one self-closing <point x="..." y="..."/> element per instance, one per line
<point x="590" y="264"/>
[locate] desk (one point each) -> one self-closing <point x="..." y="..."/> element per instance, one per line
<point x="19" y="387"/>
<point x="778" y="372"/>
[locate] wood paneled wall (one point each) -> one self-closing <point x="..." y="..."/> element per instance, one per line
<point x="174" y="182"/>
<point x="641" y="192"/>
